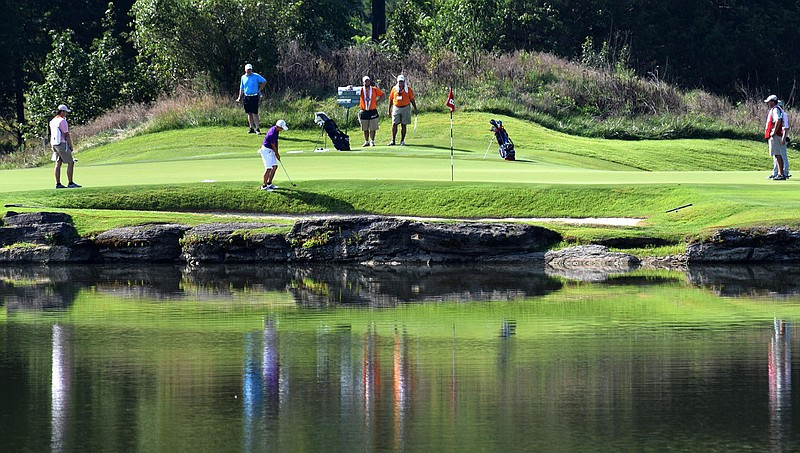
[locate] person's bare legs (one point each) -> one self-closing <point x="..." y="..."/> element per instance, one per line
<point x="372" y="135"/>
<point x="256" y="121"/>
<point x="271" y="174"/>
<point x="267" y="179"/>
<point x="251" y="120"/>
<point x="403" y="133"/>
<point x="394" y="132"/>
<point x="70" y="168"/>
<point x="58" y="171"/>
<point x="366" y="136"/>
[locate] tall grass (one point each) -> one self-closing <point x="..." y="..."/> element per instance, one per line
<point x="605" y="102"/>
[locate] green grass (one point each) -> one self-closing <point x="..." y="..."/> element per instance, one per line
<point x="160" y="177"/>
<point x="535" y="145"/>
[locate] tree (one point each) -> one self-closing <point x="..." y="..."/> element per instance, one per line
<point x="465" y="27"/>
<point x="378" y="19"/>
<point x="67" y="81"/>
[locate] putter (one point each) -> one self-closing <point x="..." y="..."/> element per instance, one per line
<point x="287" y="174"/>
<point x="416" y="117"/>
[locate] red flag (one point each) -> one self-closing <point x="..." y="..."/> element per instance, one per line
<point x="451" y="103"/>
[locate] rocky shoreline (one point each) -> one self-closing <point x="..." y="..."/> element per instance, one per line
<point x="48" y="237"/>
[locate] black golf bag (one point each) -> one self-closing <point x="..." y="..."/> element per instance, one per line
<point x="341" y="141"/>
<point x="506" y="145"/>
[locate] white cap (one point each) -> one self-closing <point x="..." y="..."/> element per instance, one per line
<point x="248" y="66"/>
<point x="771" y="97"/>
<point x="282" y="124"/>
<point x="401" y="78"/>
<point x="64" y="108"/>
<point x="365" y="78"/>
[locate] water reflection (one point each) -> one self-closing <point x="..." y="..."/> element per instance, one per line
<point x="60" y="388"/>
<point x="780" y="384"/>
<point x="55" y="288"/>
<point x="264" y="387"/>
<point x="345" y="386"/>
<point x="755" y="280"/>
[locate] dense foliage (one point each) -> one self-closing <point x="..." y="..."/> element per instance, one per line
<point x="728" y="47"/>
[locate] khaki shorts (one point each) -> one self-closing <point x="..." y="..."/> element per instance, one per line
<point x="63" y="153"/>
<point x="775" y="146"/>
<point x="401" y="115"/>
<point x="369" y="125"/>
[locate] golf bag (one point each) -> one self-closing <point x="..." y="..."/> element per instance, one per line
<point x="340" y="140"/>
<point x="506" y="145"/>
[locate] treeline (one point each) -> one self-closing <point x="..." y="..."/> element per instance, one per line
<point x="95" y="55"/>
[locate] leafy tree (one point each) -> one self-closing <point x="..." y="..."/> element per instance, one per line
<point x="66" y="80"/>
<point x="404" y="25"/>
<point x="215" y="38"/>
<point x="465" y="27"/>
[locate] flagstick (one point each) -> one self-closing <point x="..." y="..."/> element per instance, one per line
<point x="452" y="169"/>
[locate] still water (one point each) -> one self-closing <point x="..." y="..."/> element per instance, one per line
<point x="168" y="358"/>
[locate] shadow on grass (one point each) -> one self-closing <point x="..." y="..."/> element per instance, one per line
<point x="446" y="148"/>
<point x="317" y="202"/>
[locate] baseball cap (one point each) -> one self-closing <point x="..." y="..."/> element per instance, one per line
<point x="282" y="124"/>
<point x="771" y="97"/>
<point x="401" y="78"/>
<point x="365" y="78"/>
<point x="248" y="66"/>
<point x="64" y="108"/>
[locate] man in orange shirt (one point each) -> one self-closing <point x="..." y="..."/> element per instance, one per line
<point x="401" y="98"/>
<point x="368" y="116"/>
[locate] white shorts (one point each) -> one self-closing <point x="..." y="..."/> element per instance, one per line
<point x="268" y="156"/>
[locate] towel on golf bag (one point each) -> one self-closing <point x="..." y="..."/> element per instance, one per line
<point x="506" y="145"/>
<point x="341" y="141"/>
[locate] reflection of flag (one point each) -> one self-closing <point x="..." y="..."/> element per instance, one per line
<point x="451" y="103"/>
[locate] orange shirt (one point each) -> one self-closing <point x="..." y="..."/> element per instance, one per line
<point x="401" y="99"/>
<point x="373" y="103"/>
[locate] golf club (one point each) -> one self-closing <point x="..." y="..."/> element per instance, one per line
<point x="416" y="117"/>
<point x="491" y="139"/>
<point x="287" y="174"/>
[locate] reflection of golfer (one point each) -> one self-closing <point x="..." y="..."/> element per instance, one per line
<point x="774" y="133"/>
<point x="61" y="143"/>
<point x="269" y="153"/>
<point x="250" y="86"/>
<point x="368" y="116"/>
<point x="400" y="101"/>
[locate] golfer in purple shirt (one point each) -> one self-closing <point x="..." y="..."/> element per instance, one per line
<point x="270" y="156"/>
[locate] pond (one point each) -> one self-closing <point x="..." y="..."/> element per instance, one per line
<point x="343" y="358"/>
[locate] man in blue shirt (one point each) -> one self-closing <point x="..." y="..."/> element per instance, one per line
<point x="251" y="86"/>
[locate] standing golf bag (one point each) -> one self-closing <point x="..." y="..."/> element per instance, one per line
<point x="506" y="145"/>
<point x="341" y="141"/>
